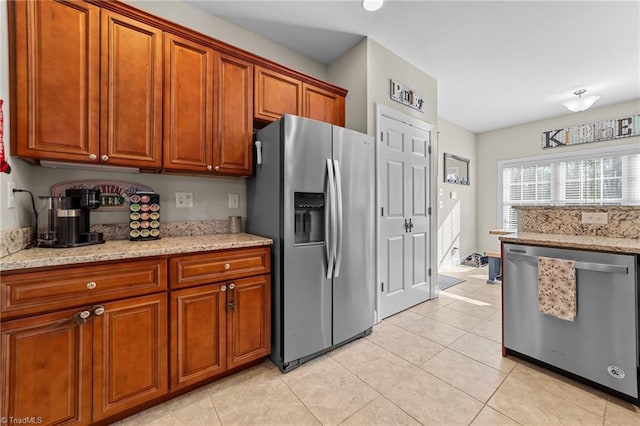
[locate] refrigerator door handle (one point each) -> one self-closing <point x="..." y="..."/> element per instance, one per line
<point x="330" y="220"/>
<point x="339" y="218"/>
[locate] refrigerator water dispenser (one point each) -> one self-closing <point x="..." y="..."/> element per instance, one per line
<point x="309" y="217"/>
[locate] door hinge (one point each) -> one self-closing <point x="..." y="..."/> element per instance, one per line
<point x="429" y="211"/>
<point x="381" y="136"/>
<point x="381" y="211"/>
<point x="429" y="149"/>
<point x="429" y="272"/>
<point x="382" y="287"/>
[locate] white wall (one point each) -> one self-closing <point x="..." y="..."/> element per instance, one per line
<point x="525" y="141"/>
<point x="383" y="65"/>
<point x="190" y="16"/>
<point x="350" y="70"/>
<point x="456" y="217"/>
<point x="210" y="194"/>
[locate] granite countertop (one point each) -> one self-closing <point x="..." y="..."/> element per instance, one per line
<point x="125" y="249"/>
<point x="581" y="242"/>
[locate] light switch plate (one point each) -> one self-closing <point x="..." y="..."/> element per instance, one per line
<point x="233" y="201"/>
<point x="596" y="218"/>
<point x="184" y="200"/>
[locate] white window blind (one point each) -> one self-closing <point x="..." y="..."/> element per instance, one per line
<point x="603" y="176"/>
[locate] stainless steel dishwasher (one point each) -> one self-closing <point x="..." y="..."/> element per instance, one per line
<point x="601" y="344"/>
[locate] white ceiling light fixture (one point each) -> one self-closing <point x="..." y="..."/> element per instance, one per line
<point x="372" y="5"/>
<point x="581" y="103"/>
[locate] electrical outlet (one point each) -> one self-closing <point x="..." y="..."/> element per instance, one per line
<point x="597" y="218"/>
<point x="11" y="196"/>
<point x="184" y="200"/>
<point x="233" y="201"/>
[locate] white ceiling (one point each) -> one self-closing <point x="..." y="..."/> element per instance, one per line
<point x="497" y="63"/>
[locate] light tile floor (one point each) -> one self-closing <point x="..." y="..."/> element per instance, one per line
<point x="438" y="363"/>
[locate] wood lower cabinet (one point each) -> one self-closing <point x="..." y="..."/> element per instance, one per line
<point x="249" y="320"/>
<point x="220" y="312"/>
<point x="198" y="330"/>
<point x="46" y="369"/>
<point x="72" y="371"/>
<point x="129" y="354"/>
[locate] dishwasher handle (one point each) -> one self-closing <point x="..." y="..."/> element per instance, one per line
<point x="585" y="266"/>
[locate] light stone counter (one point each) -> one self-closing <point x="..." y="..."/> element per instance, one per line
<point x="580" y="242"/>
<point x="125" y="249"/>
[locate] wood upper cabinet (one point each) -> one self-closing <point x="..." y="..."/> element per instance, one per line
<point x="188" y="104"/>
<point x="198" y="330"/>
<point x="323" y="105"/>
<point x="275" y="95"/>
<point x="131" y="92"/>
<point x="233" y="138"/>
<point x="208" y="125"/>
<point x="88" y="85"/>
<point x="46" y="369"/>
<point x="57" y="80"/>
<point x="129" y="354"/>
<point x="249" y="321"/>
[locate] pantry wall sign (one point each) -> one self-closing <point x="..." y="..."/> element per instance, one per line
<point x="595" y="132"/>
<point x="114" y="194"/>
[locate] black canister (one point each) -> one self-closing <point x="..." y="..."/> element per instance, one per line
<point x="68" y="226"/>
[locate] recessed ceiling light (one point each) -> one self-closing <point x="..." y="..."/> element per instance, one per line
<point x="372" y="5"/>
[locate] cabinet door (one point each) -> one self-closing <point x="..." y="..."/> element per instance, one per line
<point x="56" y="79"/>
<point x="249" y="323"/>
<point x="198" y="328"/>
<point x="129" y="354"/>
<point x="276" y="95"/>
<point x="234" y="124"/>
<point x="323" y="105"/>
<point x="131" y="95"/>
<point x="46" y="369"/>
<point x="188" y="105"/>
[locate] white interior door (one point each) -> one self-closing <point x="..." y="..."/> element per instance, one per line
<point x="405" y="201"/>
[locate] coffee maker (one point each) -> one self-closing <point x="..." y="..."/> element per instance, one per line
<point x="68" y="220"/>
<point x="85" y="200"/>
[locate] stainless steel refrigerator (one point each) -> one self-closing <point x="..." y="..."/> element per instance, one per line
<point x="313" y="194"/>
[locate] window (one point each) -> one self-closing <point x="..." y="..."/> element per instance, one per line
<point x="599" y="176"/>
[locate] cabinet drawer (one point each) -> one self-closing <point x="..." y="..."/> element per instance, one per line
<point x="186" y="271"/>
<point x="43" y="291"/>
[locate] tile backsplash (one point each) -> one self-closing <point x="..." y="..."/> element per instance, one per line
<point x="622" y="221"/>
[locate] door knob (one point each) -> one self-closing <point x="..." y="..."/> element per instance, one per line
<point x="104" y="157"/>
<point x="217" y="168"/>
<point x="209" y="167"/>
<point x="98" y="310"/>
<point x="92" y="156"/>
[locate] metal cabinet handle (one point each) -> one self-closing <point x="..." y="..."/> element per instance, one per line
<point x="406" y="226"/>
<point x="227" y="266"/>
<point x="217" y="168"/>
<point x="92" y="156"/>
<point x="104" y="157"/>
<point x="231" y="297"/>
<point x="410" y="225"/>
<point x="91" y="285"/>
<point x="81" y="317"/>
<point x="98" y="310"/>
<point x="209" y="167"/>
<point x="223" y="288"/>
<point x="586" y="266"/>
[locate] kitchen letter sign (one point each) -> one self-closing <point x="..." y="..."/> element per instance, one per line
<point x="596" y="132"/>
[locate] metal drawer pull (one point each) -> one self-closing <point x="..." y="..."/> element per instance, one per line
<point x="585" y="266"/>
<point x="98" y="310"/>
<point x="91" y="285"/>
